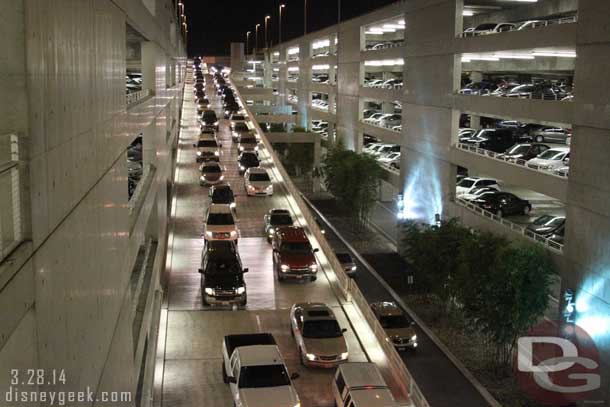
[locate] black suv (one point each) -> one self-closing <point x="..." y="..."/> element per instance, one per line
<point x="496" y="140"/>
<point x="209" y="119"/>
<point x="504" y="203"/>
<point x="222" y="274"/>
<point x="247" y="159"/>
<point x="222" y="194"/>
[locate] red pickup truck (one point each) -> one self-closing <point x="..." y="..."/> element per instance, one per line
<point x="293" y="256"/>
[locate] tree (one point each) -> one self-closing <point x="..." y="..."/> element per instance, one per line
<point x="301" y="156"/>
<point x="353" y="179"/>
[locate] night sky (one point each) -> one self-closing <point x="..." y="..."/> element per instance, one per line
<point x="213" y="25"/>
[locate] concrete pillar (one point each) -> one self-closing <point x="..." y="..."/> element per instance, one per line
<point x="152" y="58"/>
<point x="387" y="107"/>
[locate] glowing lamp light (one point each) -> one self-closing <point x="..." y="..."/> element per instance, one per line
<point x="467" y="13"/>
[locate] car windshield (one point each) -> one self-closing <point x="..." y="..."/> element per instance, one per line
<point x="344" y="258"/>
<point x="551" y="155"/>
<point x="522" y="88"/>
<point x="249" y="159"/>
<point x="394" y="321"/>
<point x="211" y="168"/>
<point x="256" y="177"/>
<point x="238" y="117"/>
<point x="518" y="149"/>
<point x="489" y="26"/>
<point x="248" y="140"/>
<point x="278" y="220"/>
<point x="296" y="247"/>
<point x="223" y="266"/>
<point x="222" y="195"/>
<point x="207" y="143"/>
<point x="220" y="219"/>
<point x="549" y="220"/>
<point x="263" y="376"/>
<point x="241" y="127"/>
<point x="321" y="328"/>
<point x="209" y="115"/>
<point x="465" y="183"/>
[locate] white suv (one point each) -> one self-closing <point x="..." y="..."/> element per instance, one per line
<point x="220" y="223"/>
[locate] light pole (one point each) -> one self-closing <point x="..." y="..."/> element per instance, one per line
<point x="267" y="18"/>
<point x="280" y="29"/>
<point x="248" y="41"/>
<point x="256" y="37"/>
<point x="305" y="17"/>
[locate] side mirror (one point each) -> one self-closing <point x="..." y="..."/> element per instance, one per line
<point x="344" y="330"/>
<point x="316" y="250"/>
<point x="232" y="379"/>
<point x="201" y="271"/>
<point x="245" y="270"/>
<point x="294" y="376"/>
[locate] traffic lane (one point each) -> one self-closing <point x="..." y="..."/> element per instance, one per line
<point x="437" y="377"/>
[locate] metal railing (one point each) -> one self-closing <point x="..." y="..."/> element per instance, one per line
<point x="11" y="225"/>
<point x="135" y="97"/>
<point x="382" y="86"/>
<point x="385" y="46"/>
<point x="551" y="244"/>
<point x="518" y="162"/>
<point x="536" y="95"/>
<point x="537" y="24"/>
<point x="139" y="194"/>
<point x="392" y="127"/>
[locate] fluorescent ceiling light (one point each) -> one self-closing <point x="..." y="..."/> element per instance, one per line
<point x="276" y="69"/>
<point x="514" y="56"/>
<point x="292" y="51"/>
<point x="401" y="22"/>
<point x="293" y="69"/>
<point x="467" y="13"/>
<point x="557" y="54"/>
<point x="319" y="67"/>
<point x="385" y="62"/>
<point x="392" y="27"/>
<point x="371" y="32"/>
<point x="276" y="54"/>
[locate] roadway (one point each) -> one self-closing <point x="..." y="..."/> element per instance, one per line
<point x="188" y="371"/>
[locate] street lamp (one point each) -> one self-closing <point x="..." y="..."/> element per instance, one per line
<point x="248" y="41"/>
<point x="280" y="29"/>
<point x="267" y="18"/>
<point x="256" y="37"/>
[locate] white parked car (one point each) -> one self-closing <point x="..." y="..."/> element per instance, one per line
<point x="469" y="184"/>
<point x="550" y="159"/>
<point x="374" y="118"/>
<point x="257" y="182"/>
<point x="220" y="223"/>
<point x="389" y="159"/>
<point x="385" y="150"/>
<point x="478" y="193"/>
<point x="390" y="120"/>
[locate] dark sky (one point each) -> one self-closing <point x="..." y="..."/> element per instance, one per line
<point x="214" y="24"/>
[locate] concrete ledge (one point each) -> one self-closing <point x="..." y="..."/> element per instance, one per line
<point x="386" y="95"/>
<point x="385" y="135"/>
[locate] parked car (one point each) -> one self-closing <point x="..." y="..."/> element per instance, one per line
<point x="479" y="88"/>
<point x="546" y="225"/>
<point x="237" y="129"/>
<point x="222" y="194"/>
<point x="504" y="203"/>
<point x="525" y="151"/>
<point x="550" y="159"/>
<point x="293" y="256"/>
<point x="491" y="28"/>
<point x="361" y="384"/>
<point x="552" y="134"/>
<point x="398" y="327"/>
<point x="390" y="120"/>
<point x="248" y="142"/>
<point x="317" y="334"/>
<point x="544" y="91"/>
<point x="220" y="223"/>
<point x="389" y="159"/>
<point x="274" y="219"/>
<point x="209" y="119"/>
<point x="222" y="274"/>
<point x="375" y="118"/>
<point x="558" y="236"/>
<point x="347" y="262"/>
<point x="247" y="159"/>
<point x="496" y="140"/>
<point x="208" y="149"/>
<point x="254" y="368"/>
<point x="477" y="193"/>
<point x="257" y="182"/>
<point x="468" y="184"/>
<point x="211" y="173"/>
<point x="385" y="149"/>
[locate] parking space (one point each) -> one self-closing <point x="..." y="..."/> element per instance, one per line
<point x="192" y="355"/>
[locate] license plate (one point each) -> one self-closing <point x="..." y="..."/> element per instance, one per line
<point x="401" y="348"/>
<point x="299" y="276"/>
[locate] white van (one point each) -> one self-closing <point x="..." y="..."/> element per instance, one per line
<point x="360" y="384"/>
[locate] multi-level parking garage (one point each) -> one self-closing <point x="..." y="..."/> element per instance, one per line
<point x="501" y="90"/>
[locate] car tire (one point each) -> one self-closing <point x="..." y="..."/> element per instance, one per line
<point x="527" y="209"/>
<point x="499" y="213"/>
<point x="204" y="302"/>
<point x="225" y="377"/>
<point x="539" y="139"/>
<point x="244" y="302"/>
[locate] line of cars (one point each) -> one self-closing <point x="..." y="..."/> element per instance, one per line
<point x="386" y="154"/>
<point x="542" y="89"/>
<point x="392" y="121"/>
<point x="539" y="147"/>
<point x="253" y="365"/>
<point x="495" y="28"/>
<point x="393" y="83"/>
<point x="384" y="44"/>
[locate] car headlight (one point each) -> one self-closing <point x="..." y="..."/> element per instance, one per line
<point x="240" y="290"/>
<point x="241" y="167"/>
<point x="232" y="205"/>
<point x="344" y="355"/>
<point x="221" y="177"/>
<point x="354" y="268"/>
<point x="233" y="233"/>
<point x="202" y="178"/>
<point x="226" y="112"/>
<point x="210" y="291"/>
<point x="241" y="148"/>
<point x="313" y="267"/>
<point x="284" y="267"/>
<point x="216" y="153"/>
<point x="204" y="123"/>
<point x="269" y="188"/>
<point x="414" y="338"/>
<point x="198" y="153"/>
<point x="216" y="123"/>
<point x="256" y="148"/>
<point x="271" y="231"/>
<point x="209" y="234"/>
<point x="310" y="356"/>
<point x="251" y="188"/>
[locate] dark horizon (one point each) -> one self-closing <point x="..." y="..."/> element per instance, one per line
<point x="214" y="25"/>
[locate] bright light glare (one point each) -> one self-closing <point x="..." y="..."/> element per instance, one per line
<point x="467" y="13"/>
<point x="385" y="62"/>
<point x="292" y="51"/>
<point x="320" y="67"/>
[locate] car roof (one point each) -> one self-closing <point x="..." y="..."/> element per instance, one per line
<point x="221" y="187"/>
<point x="560" y="149"/>
<point x="219" y="208"/>
<point x="292" y="234"/>
<point x="373" y="397"/>
<point x="387" y="308"/>
<point x="257" y="355"/>
<point x="210" y="164"/>
<point x="256" y="170"/>
<point x="316" y="311"/>
<point x="279" y="211"/>
<point x="361" y="374"/>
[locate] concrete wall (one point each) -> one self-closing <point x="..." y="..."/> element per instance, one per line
<point x="64" y="290"/>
